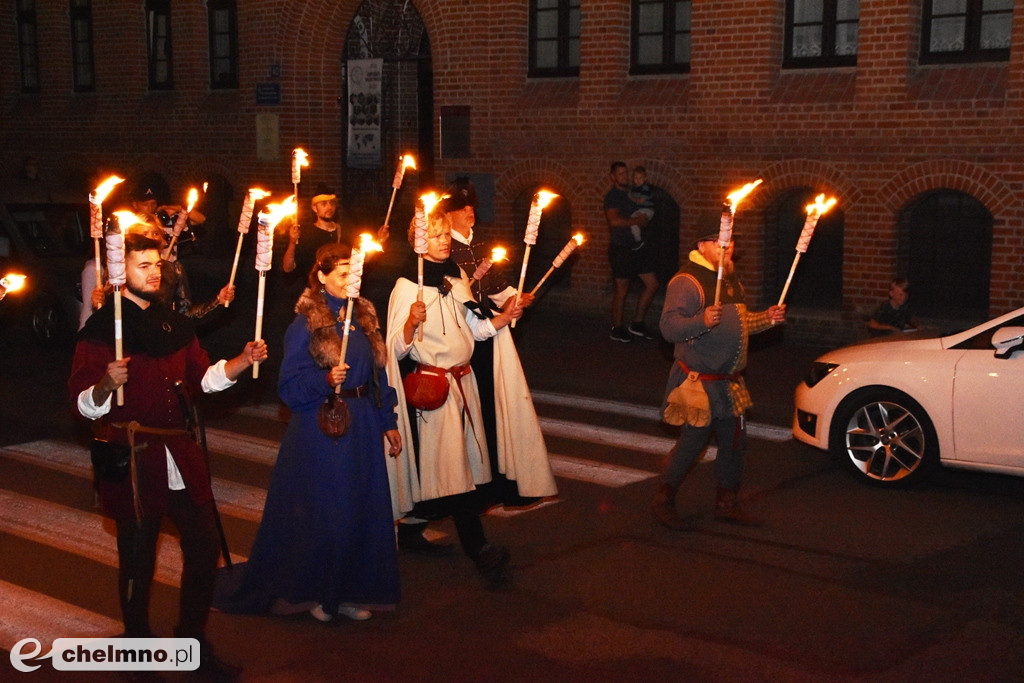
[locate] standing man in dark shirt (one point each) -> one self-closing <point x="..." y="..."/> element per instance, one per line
<point x="628" y="258"/>
<point x="303" y="241"/>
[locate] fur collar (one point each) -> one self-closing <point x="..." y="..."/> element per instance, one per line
<point x="324" y="341"/>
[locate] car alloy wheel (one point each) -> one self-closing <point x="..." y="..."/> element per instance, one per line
<point x="885" y="438"/>
<point x="46" y="323"/>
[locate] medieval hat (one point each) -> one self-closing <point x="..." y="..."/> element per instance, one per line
<point x="460" y="194"/>
<point x="708" y="225"/>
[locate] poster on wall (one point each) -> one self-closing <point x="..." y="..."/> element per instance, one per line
<point x="364" y="105"/>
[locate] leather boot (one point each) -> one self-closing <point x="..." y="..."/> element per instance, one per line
<point x="664" y="508"/>
<point x="727" y="509"/>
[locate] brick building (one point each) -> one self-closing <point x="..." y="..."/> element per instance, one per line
<point x="908" y="112"/>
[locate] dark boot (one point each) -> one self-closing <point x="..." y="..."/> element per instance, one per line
<point x="411" y="540"/>
<point x="664" y="508"/>
<point x="727" y="509"/>
<point x="492" y="563"/>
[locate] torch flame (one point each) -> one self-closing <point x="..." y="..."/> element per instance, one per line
<point x="367" y="244"/>
<point x="738" y="195"/>
<point x="273" y="213"/>
<point x="430" y="200"/>
<point x="126" y="219"/>
<point x="544" y="198"/>
<point x="498" y="254"/>
<point x="105" y="188"/>
<point x="257" y="194"/>
<point x="579" y="238"/>
<point x="408" y="162"/>
<point x="300" y="156"/>
<point x="193" y="197"/>
<point x="12" y="282"/>
<point x="820" y="206"/>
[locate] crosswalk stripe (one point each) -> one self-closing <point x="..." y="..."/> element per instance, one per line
<point x="27" y="614"/>
<point x="234" y="499"/>
<point x="755" y="430"/>
<point x="79" y="533"/>
<point x="613" y="476"/>
<point x="605" y="436"/>
<point x="242" y="446"/>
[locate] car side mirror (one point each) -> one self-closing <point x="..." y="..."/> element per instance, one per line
<point x="1007" y="340"/>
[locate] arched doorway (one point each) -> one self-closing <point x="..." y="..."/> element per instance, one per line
<point x="393" y="32"/>
<point x="945" y="251"/>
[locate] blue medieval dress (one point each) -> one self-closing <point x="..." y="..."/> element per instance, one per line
<point x="327" y="536"/>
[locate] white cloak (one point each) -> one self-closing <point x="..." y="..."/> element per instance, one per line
<point x="447" y="463"/>
<point x="452" y="454"/>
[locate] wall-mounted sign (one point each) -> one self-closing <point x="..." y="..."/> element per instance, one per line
<point x="268" y="93"/>
<point x="364" y="112"/>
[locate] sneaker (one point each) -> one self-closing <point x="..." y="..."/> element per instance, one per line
<point x="620" y="334"/>
<point x="354" y="613"/>
<point x="640" y="330"/>
<point x="319" y="614"/>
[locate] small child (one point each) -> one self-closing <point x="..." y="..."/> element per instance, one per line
<point x="893" y="314"/>
<point x="643" y="196"/>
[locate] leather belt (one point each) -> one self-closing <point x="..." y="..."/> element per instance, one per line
<point x="132" y="428"/>
<point x="358" y="392"/>
<point x="458" y="372"/>
<point x="710" y="377"/>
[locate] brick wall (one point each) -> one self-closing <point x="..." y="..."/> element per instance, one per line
<point x="875" y="135"/>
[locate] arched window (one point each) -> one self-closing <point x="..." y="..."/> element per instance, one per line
<point x="818" y="280"/>
<point x="382" y="126"/>
<point x="945" y="250"/>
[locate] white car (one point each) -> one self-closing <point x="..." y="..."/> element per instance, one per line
<point x="894" y="408"/>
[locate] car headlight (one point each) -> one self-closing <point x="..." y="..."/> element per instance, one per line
<point x="819" y="371"/>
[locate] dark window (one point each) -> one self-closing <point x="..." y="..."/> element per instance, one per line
<point x="158" y="44"/>
<point x="554" y="37"/>
<point x="966" y="31"/>
<point x="223" y="20"/>
<point x="821" y="33"/>
<point x="660" y="36"/>
<point x="818" y="279"/>
<point x="945" y="251"/>
<point x="81" y="45"/>
<point x="28" y="46"/>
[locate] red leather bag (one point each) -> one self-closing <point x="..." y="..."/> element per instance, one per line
<point x="426" y="388"/>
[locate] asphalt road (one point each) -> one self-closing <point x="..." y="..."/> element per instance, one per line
<point x="843" y="582"/>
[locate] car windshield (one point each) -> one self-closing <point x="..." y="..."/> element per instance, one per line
<point x="47" y="230"/>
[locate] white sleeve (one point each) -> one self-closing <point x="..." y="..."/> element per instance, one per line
<point x="481" y="327"/>
<point x="400" y="347"/>
<point x="88" y="408"/>
<point x="216" y="379"/>
<point x="500" y="298"/>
